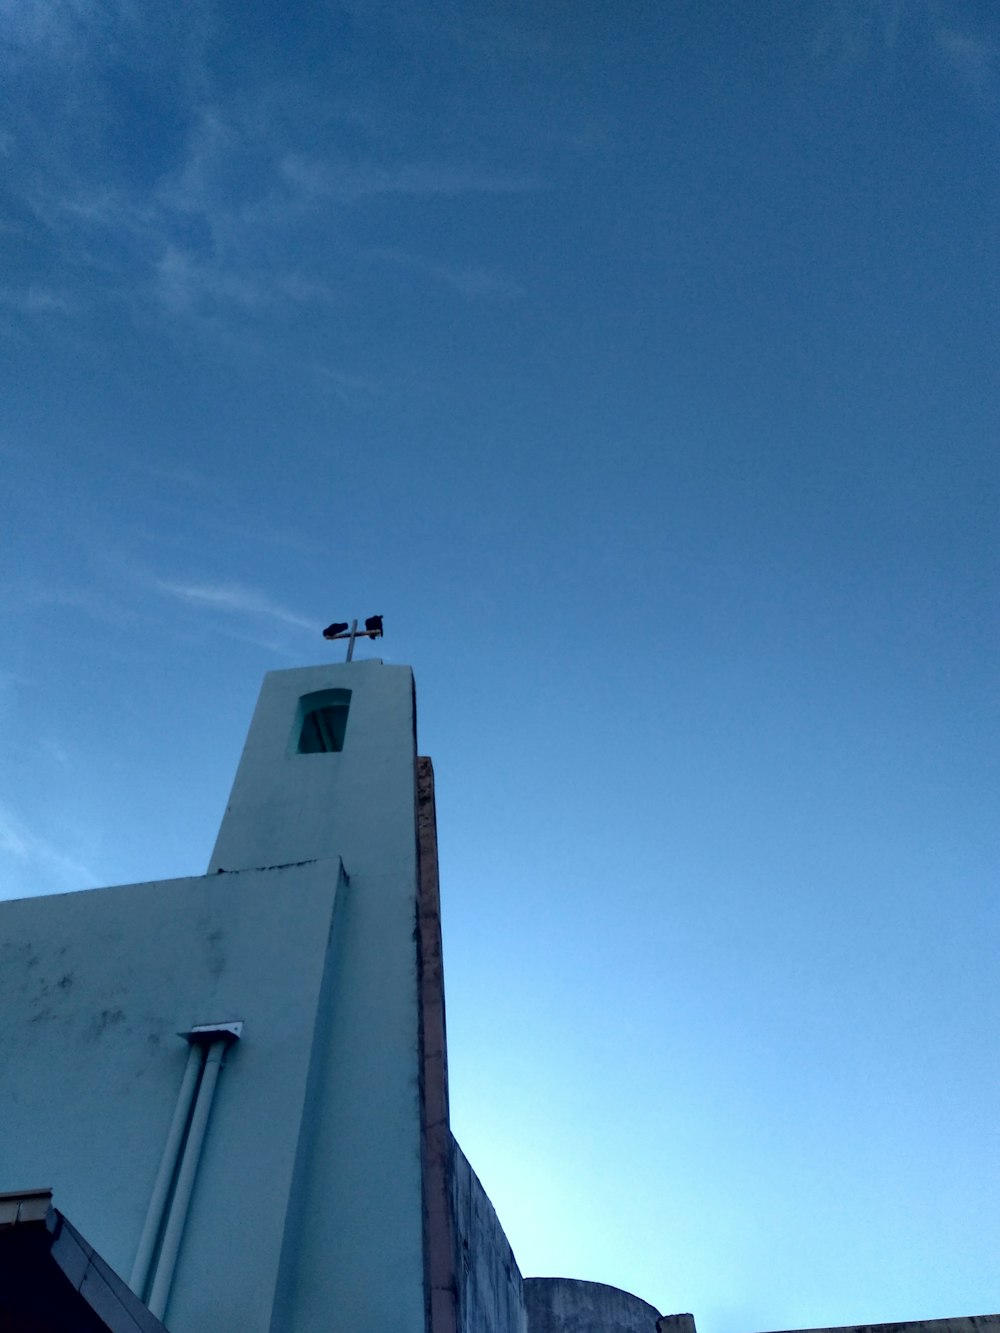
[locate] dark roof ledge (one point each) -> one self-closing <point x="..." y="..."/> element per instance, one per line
<point x="51" y="1278"/>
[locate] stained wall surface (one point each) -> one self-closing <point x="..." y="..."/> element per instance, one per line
<point x="490" y="1295"/>
<point x="94" y="989"/>
<point x="564" y="1305"/>
<point x="983" y="1323"/>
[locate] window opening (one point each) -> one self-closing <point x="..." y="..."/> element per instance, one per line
<point x="323" y="721"/>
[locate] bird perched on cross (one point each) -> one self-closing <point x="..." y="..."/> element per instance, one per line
<point x="341" y="630"/>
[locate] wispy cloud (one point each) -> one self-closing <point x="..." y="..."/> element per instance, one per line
<point x="101" y="606"/>
<point x="855" y="32"/>
<point x="182" y="282"/>
<point x="57" y="26"/>
<point x="35" y="300"/>
<point x="241" y="209"/>
<point x="185" y="478"/>
<point x="973" y="59"/>
<point x="233" y="598"/>
<point x="349" y="183"/>
<point x="851" y="30"/>
<point x="482" y="29"/>
<point x="34" y="851"/>
<point x="469" y="280"/>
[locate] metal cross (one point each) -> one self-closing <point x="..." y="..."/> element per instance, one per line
<point x="341" y="630"/>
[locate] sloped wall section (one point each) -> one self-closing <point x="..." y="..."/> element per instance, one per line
<point x="489" y="1281"/>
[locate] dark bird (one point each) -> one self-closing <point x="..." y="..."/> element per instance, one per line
<point x="374" y="626"/>
<point x="332" y="631"/>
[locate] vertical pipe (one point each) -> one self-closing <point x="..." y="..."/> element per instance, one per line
<point x="177" y="1216"/>
<point x="165" y="1175"/>
<point x="350" y="644"/>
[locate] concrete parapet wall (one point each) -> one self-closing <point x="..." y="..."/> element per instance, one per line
<point x="564" y="1305"/>
<point x="981" y="1323"/>
<point x="489" y="1281"/>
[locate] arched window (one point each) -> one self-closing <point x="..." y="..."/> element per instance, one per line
<point x="322" y="721"/>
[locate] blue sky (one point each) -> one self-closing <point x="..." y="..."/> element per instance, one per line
<point x="638" y="363"/>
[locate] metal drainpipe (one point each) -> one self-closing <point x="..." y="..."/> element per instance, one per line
<point x="177" y="1216"/>
<point x="165" y="1175"/>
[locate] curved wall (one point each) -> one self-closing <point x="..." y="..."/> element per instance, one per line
<point x="564" y="1305"/>
<point x="488" y="1278"/>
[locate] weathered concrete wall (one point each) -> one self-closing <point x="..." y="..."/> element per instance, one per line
<point x="94" y="989"/>
<point x="563" y="1305"/>
<point x="490" y="1298"/>
<point x="675" y="1323"/>
<point x="983" y="1323"/>
<point x="440" y="1243"/>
